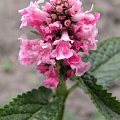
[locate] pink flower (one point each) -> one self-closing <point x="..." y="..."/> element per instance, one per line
<point x="26" y="55"/>
<point x="47" y="7"/>
<point x="67" y="23"/>
<point x="75" y="59"/>
<point x="55" y="26"/>
<point x="62" y="51"/>
<point x="45" y="30"/>
<point x="87" y="18"/>
<point x="32" y="15"/>
<point x="54" y="16"/>
<point x="35" y="51"/>
<point x="77" y="65"/>
<point x="70" y="73"/>
<point x="76" y="5"/>
<point x="76" y="45"/>
<point x="81" y="68"/>
<point x="67" y="35"/>
<point x="52" y="78"/>
<point x="59" y="8"/>
<point x="43" y="68"/>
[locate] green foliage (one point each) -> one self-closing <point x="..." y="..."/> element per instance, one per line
<point x="105" y="61"/>
<point x="35" y="32"/>
<point x="35" y="105"/>
<point x="107" y="105"/>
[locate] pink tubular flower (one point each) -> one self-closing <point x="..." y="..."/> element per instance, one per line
<point x="35" y="51"/>
<point x="67" y="35"/>
<point x="52" y="78"/>
<point x="81" y="68"/>
<point x="26" y="55"/>
<point x="77" y="64"/>
<point x="70" y="73"/>
<point x="62" y="51"/>
<point x="55" y="26"/>
<point x="42" y="68"/>
<point x="32" y="16"/>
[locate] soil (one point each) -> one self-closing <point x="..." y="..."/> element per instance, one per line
<point x="15" y="79"/>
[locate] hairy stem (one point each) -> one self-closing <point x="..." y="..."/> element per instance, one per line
<point x="65" y="95"/>
<point x="61" y="114"/>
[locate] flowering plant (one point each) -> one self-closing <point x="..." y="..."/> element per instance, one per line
<point x="63" y="51"/>
<point x="65" y="31"/>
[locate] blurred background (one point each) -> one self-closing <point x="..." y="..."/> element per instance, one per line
<point x="15" y="79"/>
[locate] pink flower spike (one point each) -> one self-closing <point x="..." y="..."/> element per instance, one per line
<point x="67" y="33"/>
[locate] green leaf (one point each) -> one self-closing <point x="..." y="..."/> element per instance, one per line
<point x="107" y="105"/>
<point x="38" y="104"/>
<point x="35" y="32"/>
<point x="105" y="61"/>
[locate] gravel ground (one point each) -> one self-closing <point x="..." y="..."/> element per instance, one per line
<point x="15" y="78"/>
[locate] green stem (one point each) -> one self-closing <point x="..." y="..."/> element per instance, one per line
<point x="65" y="95"/>
<point x="62" y="91"/>
<point x="61" y="114"/>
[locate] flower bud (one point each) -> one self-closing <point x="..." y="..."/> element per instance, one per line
<point x="67" y="23"/>
<point x="59" y="8"/>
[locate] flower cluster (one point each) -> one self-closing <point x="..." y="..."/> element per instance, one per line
<point x="67" y="34"/>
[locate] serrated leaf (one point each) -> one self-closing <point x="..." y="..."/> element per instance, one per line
<point x="105" y="61"/>
<point x="35" y="105"/>
<point x="106" y="104"/>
